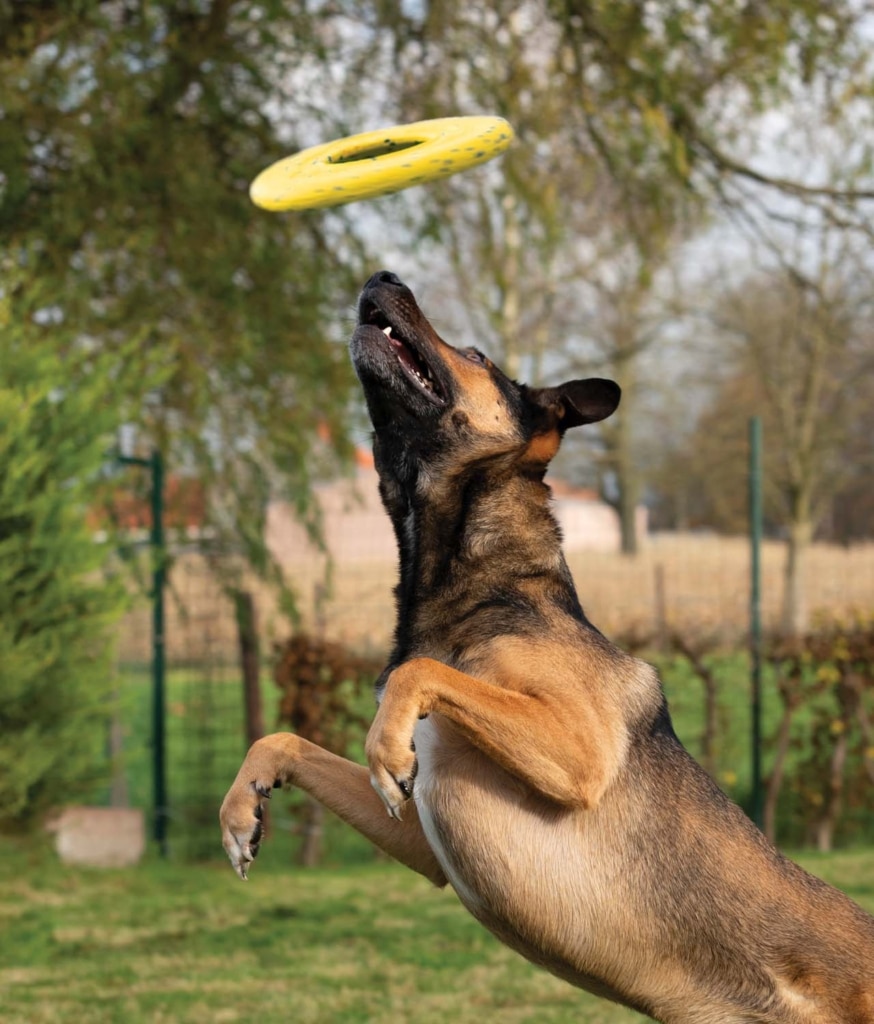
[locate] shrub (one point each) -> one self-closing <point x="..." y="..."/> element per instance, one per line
<point x="326" y="696"/>
<point x="56" y="607"/>
<point x="825" y="680"/>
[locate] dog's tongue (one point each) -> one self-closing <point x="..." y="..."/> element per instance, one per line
<point x="404" y="354"/>
<point x="418" y="369"/>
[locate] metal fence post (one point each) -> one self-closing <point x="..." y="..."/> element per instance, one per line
<point x="155" y="465"/>
<point x="755" y="516"/>
<point x="159" y="697"/>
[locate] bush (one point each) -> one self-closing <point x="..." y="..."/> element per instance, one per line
<point x="817" y="725"/>
<point x="825" y="741"/>
<point x="326" y="696"/>
<point x="55" y="606"/>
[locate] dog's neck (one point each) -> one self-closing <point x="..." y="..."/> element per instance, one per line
<point x="468" y="543"/>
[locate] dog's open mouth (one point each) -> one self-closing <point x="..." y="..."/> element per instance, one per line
<point x="412" y="362"/>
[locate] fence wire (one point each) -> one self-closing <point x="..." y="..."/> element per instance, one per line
<point x="694" y="587"/>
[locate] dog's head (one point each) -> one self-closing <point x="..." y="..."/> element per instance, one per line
<point x="439" y="410"/>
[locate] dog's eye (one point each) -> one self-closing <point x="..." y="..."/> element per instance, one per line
<point x="475" y="356"/>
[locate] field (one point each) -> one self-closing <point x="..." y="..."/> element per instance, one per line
<point x="697" y="583"/>
<point x="191" y="944"/>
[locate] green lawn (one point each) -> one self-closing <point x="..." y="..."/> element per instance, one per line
<point x="173" y="942"/>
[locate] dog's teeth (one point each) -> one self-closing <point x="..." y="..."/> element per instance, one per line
<point x="387" y="331"/>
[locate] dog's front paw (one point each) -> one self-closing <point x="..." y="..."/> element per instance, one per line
<point x="391" y="753"/>
<point x="242" y="821"/>
<point x="392" y="775"/>
<point x="393" y="769"/>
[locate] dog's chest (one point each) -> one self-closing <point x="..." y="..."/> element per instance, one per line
<point x="493" y="838"/>
<point x="426" y="793"/>
<point x="507" y="857"/>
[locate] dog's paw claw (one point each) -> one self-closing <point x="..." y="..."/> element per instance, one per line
<point x="393" y="765"/>
<point x="394" y="792"/>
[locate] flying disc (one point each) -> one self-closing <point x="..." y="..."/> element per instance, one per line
<point x="380" y="162"/>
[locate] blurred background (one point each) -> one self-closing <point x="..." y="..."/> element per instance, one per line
<point x="192" y="550"/>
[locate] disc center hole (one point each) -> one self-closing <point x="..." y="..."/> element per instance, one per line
<point x="385" y="148"/>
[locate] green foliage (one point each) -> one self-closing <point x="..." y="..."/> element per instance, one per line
<point x="129" y="134"/>
<point x="326" y="697"/>
<point x="662" y="97"/>
<point x="130" y="131"/>
<point x="636" y="123"/>
<point x="55" y="606"/>
<point x="817" y="727"/>
<point x="326" y="691"/>
<point x="825" y="680"/>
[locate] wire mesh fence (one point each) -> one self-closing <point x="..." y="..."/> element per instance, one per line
<point x="692" y="586"/>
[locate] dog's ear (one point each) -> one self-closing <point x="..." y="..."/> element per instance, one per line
<point x="577" y="401"/>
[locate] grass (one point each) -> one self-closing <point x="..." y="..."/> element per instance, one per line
<point x="169" y="942"/>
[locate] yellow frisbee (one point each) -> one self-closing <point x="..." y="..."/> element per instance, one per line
<point x="377" y="163"/>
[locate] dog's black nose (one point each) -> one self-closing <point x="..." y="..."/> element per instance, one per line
<point x="384" y="277"/>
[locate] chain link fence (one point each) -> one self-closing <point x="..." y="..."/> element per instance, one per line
<point x="693" y="587"/>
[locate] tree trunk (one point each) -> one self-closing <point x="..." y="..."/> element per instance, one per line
<point x="628" y="501"/>
<point x="628" y="479"/>
<point x="825" y="828"/>
<point x="247" y="635"/>
<point x="510" y="298"/>
<point x="795" y="611"/>
<point x="695" y="657"/>
<point x="775" y="781"/>
<point x="313" y="834"/>
<point x="119" y="795"/>
<point x="661" y="607"/>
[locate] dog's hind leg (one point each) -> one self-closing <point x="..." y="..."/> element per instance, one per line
<point x="342" y="786"/>
<point x="565" y="749"/>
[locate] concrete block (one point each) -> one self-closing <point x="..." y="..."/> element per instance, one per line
<point x="105" y="837"/>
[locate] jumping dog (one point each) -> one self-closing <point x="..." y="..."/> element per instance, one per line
<point x="525" y="759"/>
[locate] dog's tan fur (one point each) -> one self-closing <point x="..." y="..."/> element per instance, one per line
<point x="548" y="786"/>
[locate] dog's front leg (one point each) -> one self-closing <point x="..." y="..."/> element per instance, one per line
<point x="567" y="755"/>
<point x="342" y="786"/>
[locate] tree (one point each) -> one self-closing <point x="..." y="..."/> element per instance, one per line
<point x="794" y="347"/>
<point x="851" y="514"/>
<point x="56" y="607"/>
<point x="633" y="121"/>
<point x="682" y="88"/>
<point x="798" y="341"/>
<point x="665" y="97"/>
<point x="129" y="134"/>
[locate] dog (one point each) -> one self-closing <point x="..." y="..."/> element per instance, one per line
<point x="520" y="756"/>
